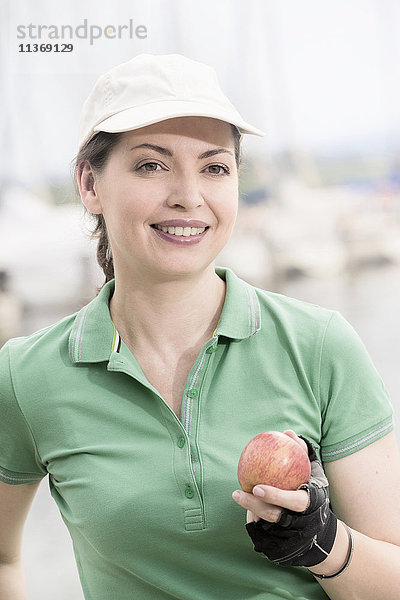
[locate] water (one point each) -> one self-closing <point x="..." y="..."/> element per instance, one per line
<point x="369" y="300"/>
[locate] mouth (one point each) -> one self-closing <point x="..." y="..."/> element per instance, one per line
<point x="181" y="231"/>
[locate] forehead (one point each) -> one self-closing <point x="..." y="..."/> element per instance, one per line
<point x="196" y="129"/>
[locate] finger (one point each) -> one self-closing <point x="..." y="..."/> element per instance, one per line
<point x="250" y="517"/>
<point x="257" y="507"/>
<point x="290" y="433"/>
<point x="296" y="500"/>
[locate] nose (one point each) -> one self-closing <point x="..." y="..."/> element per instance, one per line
<point x="185" y="193"/>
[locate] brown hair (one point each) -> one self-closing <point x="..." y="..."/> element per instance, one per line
<point x="96" y="153"/>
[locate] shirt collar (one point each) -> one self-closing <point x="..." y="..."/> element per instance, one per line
<point x="241" y="314"/>
<point x="92" y="338"/>
<point x="92" y="335"/>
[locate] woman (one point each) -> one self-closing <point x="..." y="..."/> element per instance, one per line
<point x="139" y="405"/>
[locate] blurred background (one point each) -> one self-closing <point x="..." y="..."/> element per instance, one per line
<point x="319" y="217"/>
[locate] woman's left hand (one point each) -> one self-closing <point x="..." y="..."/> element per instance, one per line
<point x="266" y="502"/>
<point x="292" y="528"/>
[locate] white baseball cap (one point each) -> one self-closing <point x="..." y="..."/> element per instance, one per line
<point x="152" y="88"/>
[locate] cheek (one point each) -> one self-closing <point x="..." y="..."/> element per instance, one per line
<point x="228" y="205"/>
<point x="121" y="206"/>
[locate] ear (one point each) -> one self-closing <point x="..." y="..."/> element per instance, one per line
<point x="87" y="188"/>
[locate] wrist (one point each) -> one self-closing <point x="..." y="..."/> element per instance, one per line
<point x="339" y="557"/>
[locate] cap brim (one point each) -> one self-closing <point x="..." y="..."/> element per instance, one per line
<point x="142" y="116"/>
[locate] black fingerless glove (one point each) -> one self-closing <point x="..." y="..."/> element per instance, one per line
<point x="300" y="539"/>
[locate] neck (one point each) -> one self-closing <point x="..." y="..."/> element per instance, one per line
<point x="167" y="316"/>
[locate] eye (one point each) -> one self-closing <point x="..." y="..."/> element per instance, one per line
<point x="149" y="167"/>
<point x="217" y="170"/>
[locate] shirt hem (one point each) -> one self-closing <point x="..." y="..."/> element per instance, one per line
<point x="13" y="478"/>
<point x="355" y="444"/>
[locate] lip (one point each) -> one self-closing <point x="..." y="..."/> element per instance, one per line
<point x="181" y="223"/>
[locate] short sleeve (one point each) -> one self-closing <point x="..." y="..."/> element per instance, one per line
<point x="355" y="405"/>
<point x="19" y="459"/>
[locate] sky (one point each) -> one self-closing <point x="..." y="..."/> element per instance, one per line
<point x="315" y="75"/>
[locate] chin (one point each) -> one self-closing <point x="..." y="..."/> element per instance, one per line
<point x="186" y="267"/>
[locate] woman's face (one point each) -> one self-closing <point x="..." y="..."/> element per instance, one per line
<point x="169" y="196"/>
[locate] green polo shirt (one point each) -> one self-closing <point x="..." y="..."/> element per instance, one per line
<point x="147" y="496"/>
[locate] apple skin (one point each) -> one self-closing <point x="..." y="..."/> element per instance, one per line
<point x="273" y="458"/>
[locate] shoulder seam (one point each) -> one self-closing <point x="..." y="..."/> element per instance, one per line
<point x="320" y="357"/>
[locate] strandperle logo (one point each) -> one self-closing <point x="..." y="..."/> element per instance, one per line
<point x="84" y="31"/>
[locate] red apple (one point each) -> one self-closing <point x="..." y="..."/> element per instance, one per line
<point x="273" y="458"/>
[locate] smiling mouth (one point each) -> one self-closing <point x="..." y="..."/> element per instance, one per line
<point x="181" y="231"/>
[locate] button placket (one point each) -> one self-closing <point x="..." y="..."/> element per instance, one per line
<point x="195" y="382"/>
<point x="189" y="421"/>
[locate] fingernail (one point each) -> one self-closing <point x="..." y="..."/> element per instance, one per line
<point x="236" y="495"/>
<point x="258" y="492"/>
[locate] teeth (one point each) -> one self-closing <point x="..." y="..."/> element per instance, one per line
<point x="185" y="231"/>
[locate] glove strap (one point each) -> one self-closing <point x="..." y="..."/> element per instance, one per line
<point x="348" y="558"/>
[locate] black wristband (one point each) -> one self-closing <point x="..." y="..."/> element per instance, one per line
<point x="347" y="562"/>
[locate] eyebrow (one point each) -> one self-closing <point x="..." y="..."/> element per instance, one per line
<point x="209" y="153"/>
<point x="159" y="149"/>
<point x="167" y="152"/>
